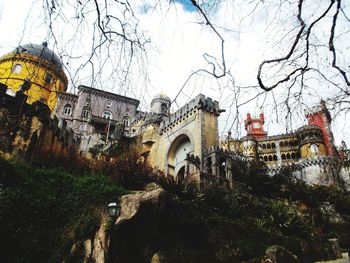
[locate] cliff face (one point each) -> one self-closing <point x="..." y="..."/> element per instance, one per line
<point x="131" y="238"/>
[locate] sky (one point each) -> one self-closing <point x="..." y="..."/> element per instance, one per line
<point x="176" y="42"/>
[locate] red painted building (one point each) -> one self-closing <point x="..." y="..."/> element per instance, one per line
<point x="320" y="116"/>
<point x="255" y="126"/>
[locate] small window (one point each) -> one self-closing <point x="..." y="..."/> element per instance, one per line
<point x="67" y="110"/>
<point x="314" y="148"/>
<point x="17" y="69"/>
<point x="109" y="104"/>
<point x="107" y="115"/>
<point x="48" y="78"/>
<point x="82" y="127"/>
<point x="86" y="112"/>
<point x="126" y="121"/>
<point x="163" y="108"/>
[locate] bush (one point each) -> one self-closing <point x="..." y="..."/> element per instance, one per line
<point x="43" y="211"/>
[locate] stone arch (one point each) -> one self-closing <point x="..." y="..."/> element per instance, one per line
<point x="179" y="148"/>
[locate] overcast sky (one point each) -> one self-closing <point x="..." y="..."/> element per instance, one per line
<point x="177" y="44"/>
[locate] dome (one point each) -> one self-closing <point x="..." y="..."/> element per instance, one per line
<point x="161" y="96"/>
<point x="41" y="51"/>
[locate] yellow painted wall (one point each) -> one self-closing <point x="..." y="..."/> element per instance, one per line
<point x="210" y="130"/>
<point x="35" y="69"/>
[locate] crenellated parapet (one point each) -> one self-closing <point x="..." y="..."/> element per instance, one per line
<point x="29" y="128"/>
<point x="200" y="102"/>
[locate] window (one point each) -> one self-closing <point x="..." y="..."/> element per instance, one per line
<point x="82" y="127"/>
<point x="109" y="104"/>
<point x="126" y="121"/>
<point x="313" y="148"/>
<point x="163" y="108"/>
<point x="17" y="69"/>
<point x="86" y="112"/>
<point x="67" y="110"/>
<point x="48" y="78"/>
<point x="107" y="115"/>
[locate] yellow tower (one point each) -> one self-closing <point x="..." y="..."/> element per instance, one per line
<point x="36" y="71"/>
<point x="311" y="141"/>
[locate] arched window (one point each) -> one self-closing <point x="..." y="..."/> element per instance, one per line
<point x="48" y="78"/>
<point x="126" y="121"/>
<point x="270" y="158"/>
<point x="107" y="115"/>
<point x="283" y="156"/>
<point x="17" y="69"/>
<point x="281" y="144"/>
<point x="273" y="145"/>
<point x="288" y="155"/>
<point x="86" y="112"/>
<point x="264" y="146"/>
<point x="293" y="156"/>
<point x="265" y="158"/>
<point x="163" y="108"/>
<point x="314" y="148"/>
<point x="268" y="146"/>
<point x="67" y="110"/>
<point x="275" y="157"/>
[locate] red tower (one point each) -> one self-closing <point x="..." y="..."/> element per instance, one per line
<point x="320" y="116"/>
<point x="255" y="126"/>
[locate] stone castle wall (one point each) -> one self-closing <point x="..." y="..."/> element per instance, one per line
<point x="25" y="129"/>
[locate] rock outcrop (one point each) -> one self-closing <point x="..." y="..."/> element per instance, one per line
<point x="132" y="237"/>
<point x="278" y="254"/>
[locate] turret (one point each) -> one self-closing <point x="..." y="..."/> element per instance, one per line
<point x="35" y="71"/>
<point x="248" y="147"/>
<point x="255" y="126"/>
<point x="311" y="141"/>
<point x="320" y="116"/>
<point x="161" y="104"/>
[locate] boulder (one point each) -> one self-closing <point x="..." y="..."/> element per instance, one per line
<point x="278" y="254"/>
<point x="132" y="237"/>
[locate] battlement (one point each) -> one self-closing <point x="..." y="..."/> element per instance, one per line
<point x="198" y="103"/>
<point x="24" y="125"/>
<point x="313" y="110"/>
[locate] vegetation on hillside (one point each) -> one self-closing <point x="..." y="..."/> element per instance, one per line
<point x="56" y="201"/>
<point x="218" y="224"/>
